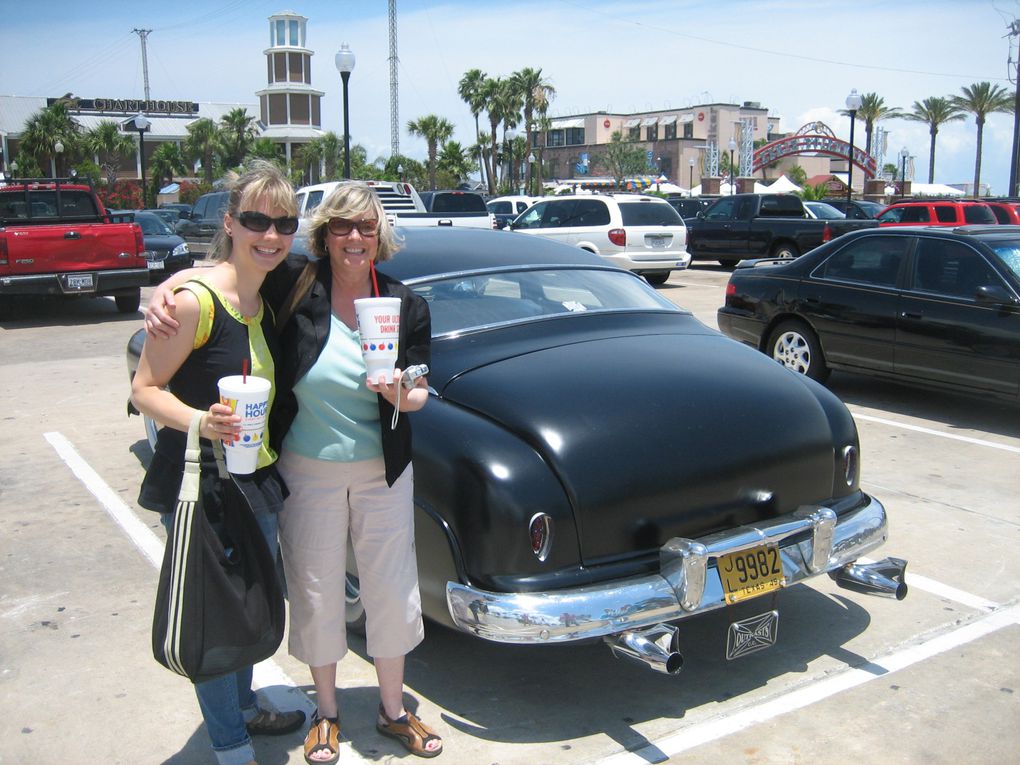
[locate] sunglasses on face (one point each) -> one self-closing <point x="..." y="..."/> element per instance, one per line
<point x="260" y="223"/>
<point x="343" y="227"/>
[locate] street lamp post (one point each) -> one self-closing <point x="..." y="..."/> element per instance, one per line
<point x="141" y="125"/>
<point x="344" y="60"/>
<point x="733" y="181"/>
<point x="690" y="175"/>
<point x="58" y="149"/>
<point x="904" y="154"/>
<point x="853" y="103"/>
<point x="530" y="186"/>
<point x="400" y="171"/>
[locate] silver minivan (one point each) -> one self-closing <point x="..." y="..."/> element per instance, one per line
<point x="639" y="233"/>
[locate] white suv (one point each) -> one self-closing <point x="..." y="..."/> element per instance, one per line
<point x="642" y="234"/>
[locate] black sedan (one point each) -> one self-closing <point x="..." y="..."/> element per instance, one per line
<point x="165" y="252"/>
<point x="596" y="463"/>
<point x="929" y="306"/>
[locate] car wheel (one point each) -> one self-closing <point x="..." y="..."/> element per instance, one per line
<point x="129" y="303"/>
<point x="657" y="278"/>
<point x="794" y="345"/>
<point x="728" y="262"/>
<point x="784" y="251"/>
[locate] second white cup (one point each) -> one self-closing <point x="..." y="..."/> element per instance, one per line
<point x="379" y="327"/>
<point x="247" y="396"/>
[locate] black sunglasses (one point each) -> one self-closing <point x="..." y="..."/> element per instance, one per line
<point x="260" y="223"/>
<point x="343" y="227"/>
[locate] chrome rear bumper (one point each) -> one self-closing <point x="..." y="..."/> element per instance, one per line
<point x="812" y="541"/>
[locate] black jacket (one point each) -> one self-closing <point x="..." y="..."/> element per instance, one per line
<point x="304" y="336"/>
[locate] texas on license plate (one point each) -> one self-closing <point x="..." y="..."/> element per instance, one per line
<point x="155" y="265"/>
<point x="750" y="573"/>
<point x="79" y="281"/>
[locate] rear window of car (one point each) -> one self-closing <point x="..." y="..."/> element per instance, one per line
<point x="871" y="260"/>
<point x="978" y="214"/>
<point x="449" y="203"/>
<point x="500" y="208"/>
<point x="468" y="302"/>
<point x="649" y="214"/>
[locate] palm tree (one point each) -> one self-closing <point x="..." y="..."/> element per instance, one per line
<point x="470" y="90"/>
<point x="872" y="110"/>
<point x="934" y="111"/>
<point x="237" y="133"/>
<point x="536" y="93"/>
<point x="266" y="148"/>
<point x="982" y="99"/>
<point x="201" y="145"/>
<point x="166" y="162"/>
<point x="493" y="93"/>
<point x="505" y="103"/>
<point x="45" y="129"/>
<point x="455" y="162"/>
<point x="109" y="146"/>
<point x="435" y="130"/>
<point x="325" y="154"/>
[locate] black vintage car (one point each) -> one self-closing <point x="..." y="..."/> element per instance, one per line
<point x="928" y="306"/>
<point x="596" y="463"/>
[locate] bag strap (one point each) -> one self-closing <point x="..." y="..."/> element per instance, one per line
<point x="297" y="292"/>
<point x="193" y="461"/>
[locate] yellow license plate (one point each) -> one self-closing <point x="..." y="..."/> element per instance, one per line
<point x="750" y="573"/>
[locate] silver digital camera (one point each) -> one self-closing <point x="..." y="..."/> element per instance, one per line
<point x="411" y="374"/>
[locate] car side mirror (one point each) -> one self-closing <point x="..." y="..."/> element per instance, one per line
<point x="700" y="215"/>
<point x="994" y="294"/>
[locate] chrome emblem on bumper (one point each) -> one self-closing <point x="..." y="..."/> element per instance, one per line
<point x="752" y="635"/>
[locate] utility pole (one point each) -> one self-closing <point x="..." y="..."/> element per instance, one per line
<point x="394" y="88"/>
<point x="142" y="34"/>
<point x="1014" y="71"/>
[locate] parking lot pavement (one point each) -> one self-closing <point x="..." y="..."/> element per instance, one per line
<point x="853" y="678"/>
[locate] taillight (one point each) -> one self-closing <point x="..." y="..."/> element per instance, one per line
<point x="731" y="289"/>
<point x="541" y="532"/>
<point x="139" y="239"/>
<point x="827" y="233"/>
<point x="493" y="221"/>
<point x="618" y="236"/>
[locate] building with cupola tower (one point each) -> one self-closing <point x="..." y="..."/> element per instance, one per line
<point x="290" y="108"/>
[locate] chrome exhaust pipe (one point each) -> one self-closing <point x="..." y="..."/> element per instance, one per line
<point x="883" y="577"/>
<point x="657" y="647"/>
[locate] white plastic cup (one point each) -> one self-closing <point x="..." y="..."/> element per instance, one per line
<point x="247" y="396"/>
<point x="379" y="327"/>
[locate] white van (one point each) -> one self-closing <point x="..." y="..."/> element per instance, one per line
<point x="640" y="233"/>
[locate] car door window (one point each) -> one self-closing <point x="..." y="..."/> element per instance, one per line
<point x="200" y="206"/>
<point x="589" y="212"/>
<point x="557" y="214"/>
<point x="917" y="214"/>
<point x="872" y="260"/>
<point x="945" y="213"/>
<point x="950" y="268"/>
<point x="721" y="210"/>
<point x="533" y="217"/>
<point x="978" y="214"/>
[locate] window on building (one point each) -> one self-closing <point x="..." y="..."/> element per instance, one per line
<point x="295" y="65"/>
<point x="671" y="131"/>
<point x="294" y="33"/>
<point x="575" y="136"/>
<point x="279" y="67"/>
<point x="299" y="111"/>
<point x="269" y="70"/>
<point x="634" y="134"/>
<point x="652" y="133"/>
<point x="277" y="109"/>
<point x="556" y="138"/>
<point x="316" y="116"/>
<point x="264" y="110"/>
<point x="688" y="130"/>
<point x="281" y="37"/>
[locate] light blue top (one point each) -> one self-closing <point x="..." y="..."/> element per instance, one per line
<point x="338" y="416"/>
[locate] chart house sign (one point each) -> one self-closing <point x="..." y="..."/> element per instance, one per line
<point x="122" y="106"/>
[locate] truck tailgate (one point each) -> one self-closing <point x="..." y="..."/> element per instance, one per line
<point x="68" y="248"/>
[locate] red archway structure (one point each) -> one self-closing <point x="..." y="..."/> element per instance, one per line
<point x="813" y="138"/>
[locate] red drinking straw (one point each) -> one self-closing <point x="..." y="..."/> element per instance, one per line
<point x="375" y="283"/>
<point x="244" y="372"/>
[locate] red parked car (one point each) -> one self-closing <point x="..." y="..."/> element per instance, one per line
<point x="936" y="212"/>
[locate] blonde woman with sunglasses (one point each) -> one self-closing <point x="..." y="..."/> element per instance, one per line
<point x="224" y="327"/>
<point x="348" y="471"/>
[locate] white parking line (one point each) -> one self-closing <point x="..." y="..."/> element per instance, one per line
<point x="724" y="725"/>
<point x="274" y="683"/>
<point x="932" y="587"/>
<point x="941" y="434"/>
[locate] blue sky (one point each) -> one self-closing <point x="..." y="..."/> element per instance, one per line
<point x="798" y="58"/>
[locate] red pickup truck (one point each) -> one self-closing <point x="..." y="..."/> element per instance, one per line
<point x="56" y="238"/>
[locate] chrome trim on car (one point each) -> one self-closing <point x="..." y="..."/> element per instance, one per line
<point x="811" y="540"/>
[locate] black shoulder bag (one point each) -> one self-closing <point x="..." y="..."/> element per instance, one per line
<point x="219" y="605"/>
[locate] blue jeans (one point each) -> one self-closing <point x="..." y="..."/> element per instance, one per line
<point x="228" y="702"/>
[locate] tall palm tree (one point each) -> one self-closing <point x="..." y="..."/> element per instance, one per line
<point x="237" y="133"/>
<point x="201" y="144"/>
<point x="504" y="103"/>
<point x="470" y="90"/>
<point x="109" y="146"/>
<point x="325" y="154"/>
<point x="495" y="94"/>
<point x="935" y="111"/>
<point x="536" y="92"/>
<point x="45" y="129"/>
<point x="873" y="109"/>
<point x="455" y="162"/>
<point x="435" y="130"/>
<point x="266" y="148"/>
<point x="982" y="99"/>
<point x="166" y="162"/>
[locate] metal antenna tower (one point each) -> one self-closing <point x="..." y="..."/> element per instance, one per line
<point x="878" y="147"/>
<point x="1014" y="75"/>
<point x="746" y="147"/>
<point x="711" y="159"/>
<point x="394" y="97"/>
<point x="142" y="34"/>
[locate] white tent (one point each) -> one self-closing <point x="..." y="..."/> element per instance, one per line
<point x="668" y="188"/>
<point x="934" y="190"/>
<point x="782" y="185"/>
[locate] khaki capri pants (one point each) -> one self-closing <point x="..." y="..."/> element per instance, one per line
<point x="327" y="500"/>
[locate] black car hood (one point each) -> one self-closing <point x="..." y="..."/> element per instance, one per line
<point x="658" y="431"/>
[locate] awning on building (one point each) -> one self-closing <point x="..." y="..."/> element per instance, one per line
<point x="564" y="124"/>
<point x="667" y="120"/>
<point x="632" y="123"/>
<point x="649" y="121"/>
<point x="686" y="118"/>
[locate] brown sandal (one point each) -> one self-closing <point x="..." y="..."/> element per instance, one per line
<point x="323" y="736"/>
<point x="409" y="731"/>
